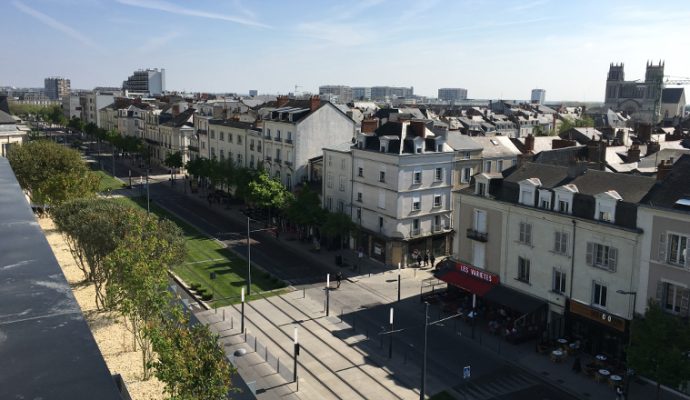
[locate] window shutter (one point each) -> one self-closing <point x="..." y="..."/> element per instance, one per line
<point x="557" y="242"/>
<point x="685" y="299"/>
<point x="522" y="231"/>
<point x="590" y="253"/>
<point x="659" y="291"/>
<point x="528" y="233"/>
<point x="662" y="247"/>
<point x="613" y="258"/>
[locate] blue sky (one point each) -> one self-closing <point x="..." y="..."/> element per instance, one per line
<point x="493" y="48"/>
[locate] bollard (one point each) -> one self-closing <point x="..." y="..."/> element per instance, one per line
<point x="245" y="336"/>
<point x="254" y="344"/>
<point x="304" y="293"/>
<point x="341" y="315"/>
<point x="278" y="365"/>
<point x="223" y="315"/>
<point x="232" y="323"/>
<point x="266" y="353"/>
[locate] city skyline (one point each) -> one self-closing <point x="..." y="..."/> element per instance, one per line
<point x="237" y="46"/>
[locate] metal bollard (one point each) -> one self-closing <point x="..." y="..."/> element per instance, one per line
<point x="223" y="315"/>
<point x="278" y="365"/>
<point x="232" y="322"/>
<point x="304" y="293"/>
<point x="254" y="344"/>
<point x="266" y="353"/>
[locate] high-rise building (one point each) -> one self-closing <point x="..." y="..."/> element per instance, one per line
<point x="361" y="93"/>
<point x="146" y="82"/>
<point x="452" y="94"/>
<point x="538" y="96"/>
<point x="56" y="87"/>
<point x="389" y="92"/>
<point x="342" y="94"/>
<point x="253" y="93"/>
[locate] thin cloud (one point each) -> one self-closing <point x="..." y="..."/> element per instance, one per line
<point x="530" y="5"/>
<point x="174" y="9"/>
<point x="157" y="42"/>
<point x="51" y="22"/>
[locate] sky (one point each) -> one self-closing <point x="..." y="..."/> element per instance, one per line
<point x="493" y="48"/>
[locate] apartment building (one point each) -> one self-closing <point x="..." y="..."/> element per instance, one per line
<point x="563" y="239"/>
<point x="232" y="140"/>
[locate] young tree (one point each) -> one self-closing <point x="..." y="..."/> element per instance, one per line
<point x="305" y="210"/>
<point x="660" y="348"/>
<point x="173" y="161"/>
<point x="76" y="124"/>
<point x="268" y="193"/>
<point x="338" y="225"/>
<point x="51" y="173"/>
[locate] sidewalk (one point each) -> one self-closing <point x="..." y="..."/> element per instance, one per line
<point x="377" y="285"/>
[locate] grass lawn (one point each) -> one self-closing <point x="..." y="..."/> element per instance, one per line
<point x="204" y="256"/>
<point x="107" y="182"/>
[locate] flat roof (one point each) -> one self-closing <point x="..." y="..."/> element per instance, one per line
<point x="46" y="347"/>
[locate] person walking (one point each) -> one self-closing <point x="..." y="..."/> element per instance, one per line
<point x="426" y="258"/>
<point x="619" y="393"/>
<point x="338" y="278"/>
<point x="432" y="258"/>
<point x="419" y="259"/>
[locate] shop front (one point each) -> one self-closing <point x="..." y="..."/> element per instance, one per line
<point x="600" y="332"/>
<point x="465" y="277"/>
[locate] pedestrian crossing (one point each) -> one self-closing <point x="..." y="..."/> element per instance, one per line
<point x="496" y="385"/>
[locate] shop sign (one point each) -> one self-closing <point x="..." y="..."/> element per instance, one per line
<point x="602" y="317"/>
<point x="477" y="273"/>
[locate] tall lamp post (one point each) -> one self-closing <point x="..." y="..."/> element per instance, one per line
<point x="398" y="285"/>
<point x="422" y="388"/>
<point x="294" y="368"/>
<point x="249" y="260"/>
<point x="629" y="371"/>
<point x="242" y="323"/>
<point x="328" y="293"/>
<point x="390" y="344"/>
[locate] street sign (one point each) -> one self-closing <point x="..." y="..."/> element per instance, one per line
<point x="466" y="372"/>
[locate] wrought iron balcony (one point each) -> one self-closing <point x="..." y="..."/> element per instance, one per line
<point x="476" y="235"/>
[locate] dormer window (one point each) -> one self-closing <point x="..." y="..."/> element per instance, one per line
<point x="528" y="189"/>
<point x="544" y="199"/>
<point x="606" y="206"/>
<point x="481" y="185"/>
<point x="564" y="198"/>
<point x="383" y="146"/>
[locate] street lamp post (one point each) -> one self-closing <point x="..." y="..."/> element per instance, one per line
<point x="390" y="344"/>
<point x="249" y="259"/>
<point x="426" y="328"/>
<point x="130" y="178"/>
<point x="242" y="323"/>
<point x="398" y="283"/>
<point x="629" y="371"/>
<point x="294" y="368"/>
<point x="148" y="197"/>
<point x="328" y="293"/>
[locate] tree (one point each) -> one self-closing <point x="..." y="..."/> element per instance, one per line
<point x="567" y="123"/>
<point x="305" y="209"/>
<point x="76" y="124"/>
<point x="51" y="173"/>
<point x="190" y="362"/>
<point x="660" y="348"/>
<point x="268" y="193"/>
<point x="338" y="225"/>
<point x="173" y="161"/>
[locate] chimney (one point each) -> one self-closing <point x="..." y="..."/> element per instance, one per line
<point x="561" y="143"/>
<point x="576" y="168"/>
<point x="634" y="153"/>
<point x="314" y="103"/>
<point x="596" y="151"/>
<point x="417" y="128"/>
<point x="644" y="133"/>
<point x="369" y="125"/>
<point x="175" y="110"/>
<point x="529" y="143"/>
<point x="281" y="101"/>
<point x="663" y="170"/>
<point x="652" y="147"/>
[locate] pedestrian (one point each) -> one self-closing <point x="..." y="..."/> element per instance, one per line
<point x="619" y="393"/>
<point x="419" y="259"/>
<point x="432" y="258"/>
<point x="426" y="258"/>
<point x="338" y="278"/>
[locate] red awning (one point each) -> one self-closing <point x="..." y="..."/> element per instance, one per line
<point x="464" y="281"/>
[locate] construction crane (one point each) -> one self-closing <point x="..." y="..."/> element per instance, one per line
<point x="676" y="80"/>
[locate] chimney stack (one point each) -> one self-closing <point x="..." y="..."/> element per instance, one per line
<point x="417" y="128"/>
<point x="634" y="153"/>
<point x="663" y="170"/>
<point x="369" y="125"/>
<point x="652" y="147"/>
<point x="281" y="101"/>
<point x="529" y="143"/>
<point x="175" y="110"/>
<point x="314" y="103"/>
<point x="561" y="143"/>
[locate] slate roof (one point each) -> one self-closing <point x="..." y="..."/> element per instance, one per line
<point x="674" y="187"/>
<point x="496" y="146"/>
<point x="671" y="95"/>
<point x="181" y="119"/>
<point x="47" y="349"/>
<point x="551" y="176"/>
<point x="460" y="142"/>
<point x="561" y="156"/>
<point x="632" y="188"/>
<point x="231" y="123"/>
<point x="6" y="118"/>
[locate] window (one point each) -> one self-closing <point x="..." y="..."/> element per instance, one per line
<point x="289" y="136"/>
<point x="523" y="269"/>
<point x="251" y="145"/>
<point x="359" y="197"/>
<point x="221" y="135"/>
<point x="544" y="203"/>
<point x="416" y="204"/>
<point x="342" y="183"/>
<point x="605" y="216"/>
<point x="558" y="281"/>
<point x="329" y="203"/>
<point x="251" y="161"/>
<point x="342" y="164"/>
<point x="437" y="200"/>
<point x="674" y="298"/>
<point x="480" y="221"/>
<point x="382" y="176"/>
<point x="466" y="175"/>
<point x="277" y="154"/>
<point x="487" y="166"/>
<point x="478" y="254"/>
<point x="230" y="137"/>
<point x="563" y="206"/>
<point x="359" y="213"/>
<point x="222" y="155"/>
<point x="545" y="199"/>
<point x="277" y="176"/>
<point x="239" y="159"/>
<point x="601" y="256"/>
<point x="380" y="222"/>
<point x="499" y="166"/>
<point x="525" y="233"/>
<point x="677" y="249"/>
<point x="239" y="140"/>
<point x="268" y="133"/>
<point x="341" y="206"/>
<point x="415" y="226"/>
<point x="288" y="182"/>
<point x="598" y="294"/>
<point x="258" y="147"/>
<point x="481" y="189"/>
<point x="360" y="171"/>
<point x="382" y="199"/>
<point x="465" y="155"/>
<point x="213" y="134"/>
<point x="438" y="174"/>
<point x="329" y="180"/>
<point x="417" y="177"/>
<point x="419" y="149"/>
<point x="560" y="245"/>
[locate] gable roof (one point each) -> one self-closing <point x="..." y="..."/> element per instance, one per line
<point x="672" y="95"/>
<point x="181" y="119"/>
<point x="674" y="187"/>
<point x="632" y="188"/>
<point x="6" y="118"/>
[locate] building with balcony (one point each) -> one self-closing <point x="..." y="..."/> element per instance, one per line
<point x="145" y="82"/>
<point x="565" y="237"/>
<point x="56" y="88"/>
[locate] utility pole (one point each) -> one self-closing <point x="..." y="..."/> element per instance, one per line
<point x="422" y="388"/>
<point x="249" y="260"/>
